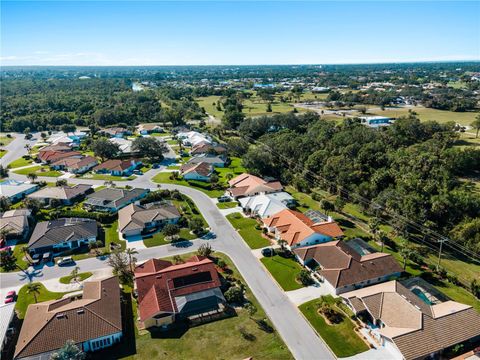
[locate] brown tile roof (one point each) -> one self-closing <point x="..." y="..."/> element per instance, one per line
<point x="53" y="156"/>
<point x="135" y="217"/>
<point x="295" y="226"/>
<point x="75" y="162"/>
<point x="61" y="192"/>
<point x="48" y="325"/>
<point x="246" y="184"/>
<point x="341" y="265"/>
<point x="157" y="289"/>
<point x="416" y="328"/>
<point x="114" y="165"/>
<point x="203" y="169"/>
<point x="206" y="147"/>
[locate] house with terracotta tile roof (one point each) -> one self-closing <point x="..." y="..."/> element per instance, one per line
<point x="75" y="164"/>
<point x="348" y="265"/>
<point x="117" y="167"/>
<point x="197" y="171"/>
<point x="412" y="319"/>
<point x="48" y="156"/>
<point x="168" y="292"/>
<point x="208" y="148"/>
<point x="93" y="322"/>
<point x="135" y="220"/>
<point x="250" y="185"/>
<point x="298" y="230"/>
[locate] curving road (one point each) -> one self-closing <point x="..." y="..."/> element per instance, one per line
<point x="294" y="329"/>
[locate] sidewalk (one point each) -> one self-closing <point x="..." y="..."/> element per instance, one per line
<point x="300" y="296"/>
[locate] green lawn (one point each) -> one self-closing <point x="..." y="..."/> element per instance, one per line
<point x="284" y="271"/>
<point x="107" y="177"/>
<point x="216" y="340"/>
<point x="80" y="277"/>
<point x="227" y="205"/>
<point x="246" y="228"/>
<point x="2" y="153"/>
<point x="25" y="299"/>
<point x="341" y="338"/>
<point x="20" y="162"/>
<point x="159" y="239"/>
<point x="4" y="140"/>
<point x="164" y="177"/>
<point x="39" y="171"/>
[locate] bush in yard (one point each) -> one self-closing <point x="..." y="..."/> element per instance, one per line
<point x="170" y="230"/>
<point x="221" y="264"/>
<point x="234" y="295"/>
<point x="205" y="250"/>
<point x="69" y="351"/>
<point x="264" y="325"/>
<point x="332" y="315"/>
<point x="304" y="277"/>
<point x="196" y="225"/>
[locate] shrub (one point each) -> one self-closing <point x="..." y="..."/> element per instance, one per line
<point x="234" y="295"/>
<point x="304" y="277"/>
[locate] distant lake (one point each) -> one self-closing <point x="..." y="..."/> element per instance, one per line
<point x="137" y="87"/>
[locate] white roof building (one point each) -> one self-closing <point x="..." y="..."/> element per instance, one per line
<point x="14" y="190"/>
<point x="124" y="144"/>
<point x="266" y="205"/>
<point x="6" y="316"/>
<point x="193" y="138"/>
<point x="61" y="137"/>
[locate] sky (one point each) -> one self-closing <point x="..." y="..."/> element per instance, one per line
<point x="237" y="33"/>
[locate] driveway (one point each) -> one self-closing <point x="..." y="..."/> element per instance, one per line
<point x="300" y="296"/>
<point x="294" y="329"/>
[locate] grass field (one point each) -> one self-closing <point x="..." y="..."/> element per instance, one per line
<point x="80" y="277"/>
<point x="217" y="340"/>
<point x="246" y="228"/>
<point x="20" y="163"/>
<point x="341" y="338"/>
<point x="284" y="271"/>
<point x="164" y="177"/>
<point x="227" y="205"/>
<point x="39" y="171"/>
<point x="107" y="177"/>
<point x="25" y="299"/>
<point x="2" y="153"/>
<point x="4" y="140"/>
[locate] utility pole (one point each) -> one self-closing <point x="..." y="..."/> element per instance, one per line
<point x="441" y="241"/>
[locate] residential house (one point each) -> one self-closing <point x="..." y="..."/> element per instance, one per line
<point x="15" y="223"/>
<point x="193" y="138"/>
<point x="61" y="235"/>
<point x="136" y="220"/>
<point x="117" y="167"/>
<point x="168" y="292"/>
<point x="111" y="199"/>
<point x="72" y="139"/>
<point x="208" y="148"/>
<point x="266" y="205"/>
<point x="117" y="132"/>
<point x="66" y="195"/>
<point x="298" y="230"/>
<point x="200" y="172"/>
<point x="412" y="319"/>
<point x="52" y="153"/>
<point x="124" y="145"/>
<point x="214" y="160"/>
<point x="93" y="322"/>
<point x="16" y="190"/>
<point x="150" y="128"/>
<point x="75" y="164"/>
<point x="376" y="121"/>
<point x="348" y="265"/>
<point x="250" y="185"/>
<point x="7" y="328"/>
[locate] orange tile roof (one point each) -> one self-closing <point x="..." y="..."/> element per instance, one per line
<point x="295" y="226"/>
<point x="246" y="184"/>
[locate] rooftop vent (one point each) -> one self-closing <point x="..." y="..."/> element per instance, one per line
<point x="60" y="316"/>
<point x="194" y="269"/>
<point x="80" y="311"/>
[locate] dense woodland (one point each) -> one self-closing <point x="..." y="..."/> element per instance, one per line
<point x="410" y="168"/>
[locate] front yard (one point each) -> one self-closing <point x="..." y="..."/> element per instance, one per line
<point x="284" y="270"/>
<point x="341" y="337"/>
<point x="247" y="229"/>
<point x="20" y="163"/>
<point x="24" y="298"/>
<point x="38" y="170"/>
<point x="221" y="339"/>
<point x="164" y="177"/>
<point x="80" y="277"/>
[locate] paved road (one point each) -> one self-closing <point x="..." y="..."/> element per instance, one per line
<point x="296" y="332"/>
<point x="16" y="148"/>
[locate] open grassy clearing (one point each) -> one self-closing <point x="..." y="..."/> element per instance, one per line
<point x="24" y="298"/>
<point x="341" y="338"/>
<point x="20" y="163"/>
<point x="80" y="277"/>
<point x="284" y="270"/>
<point x="247" y="228"/>
<point x="164" y="177"/>
<point x="38" y="170"/>
<point x="216" y="340"/>
<point x="227" y="205"/>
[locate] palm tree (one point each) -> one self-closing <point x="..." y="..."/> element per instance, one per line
<point x="374" y="226"/>
<point x="131" y="259"/>
<point x="74" y="273"/>
<point x="3" y="234"/>
<point x="32" y="177"/>
<point x="282" y="244"/>
<point x="229" y="176"/>
<point x="34" y="288"/>
<point x="406" y="252"/>
<point x="476" y="124"/>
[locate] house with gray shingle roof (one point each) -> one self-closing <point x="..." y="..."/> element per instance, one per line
<point x="136" y="220"/>
<point x="412" y="319"/>
<point x="16" y="190"/>
<point x="93" y="322"/>
<point x="15" y="222"/>
<point x="61" y="235"/>
<point x="113" y="199"/>
<point x="67" y="195"/>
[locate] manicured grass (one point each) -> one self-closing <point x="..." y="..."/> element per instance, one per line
<point x="20" y="162"/>
<point x="6" y="140"/>
<point x="80" y="277"/>
<point x="284" y="271"/>
<point x="341" y="338"/>
<point x="25" y="299"/>
<point x="39" y="171"/>
<point x="246" y="228"/>
<point x="234" y="168"/>
<point x="227" y="205"/>
<point x="2" y="153"/>
<point x="107" y="177"/>
<point x="164" y="177"/>
<point x="26" y="171"/>
<point x="18" y="254"/>
<point x="216" y="340"/>
<point x="161" y="134"/>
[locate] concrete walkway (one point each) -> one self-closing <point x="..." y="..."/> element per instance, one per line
<point x="300" y="296"/>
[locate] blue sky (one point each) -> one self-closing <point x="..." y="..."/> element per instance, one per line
<point x="186" y="33"/>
